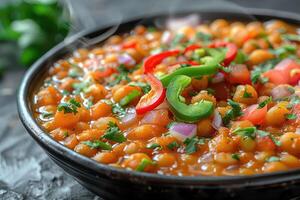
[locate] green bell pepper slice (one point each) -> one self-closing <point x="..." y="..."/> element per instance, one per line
<point x="183" y="112"/>
<point x="210" y="66"/>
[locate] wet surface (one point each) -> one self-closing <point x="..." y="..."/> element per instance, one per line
<point x="25" y="170"/>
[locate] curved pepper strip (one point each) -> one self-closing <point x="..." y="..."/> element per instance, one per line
<point x="208" y="68"/>
<point x="151" y="62"/>
<point x="183" y="112"/>
<point x="230" y="53"/>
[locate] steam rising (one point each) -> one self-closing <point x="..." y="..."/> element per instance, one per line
<point x="92" y="14"/>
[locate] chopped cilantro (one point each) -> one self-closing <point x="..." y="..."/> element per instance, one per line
<point x="143" y="164"/>
<point x="121" y="76"/>
<point x="47" y="114"/>
<point x="247" y="94"/>
<point x="69" y="107"/>
<point x="264" y="103"/>
<point x="246" y="132"/>
<point x="240" y="58"/>
<point x="267" y="134"/>
<point x="173" y="145"/>
<point x="291" y="37"/>
<point x="81" y="87"/>
<point x="285" y="51"/>
<point x="66" y="134"/>
<point x="192" y="144"/>
<point x="235" y="156"/>
<point x="291" y="116"/>
<point x="97" y="144"/>
<point x="113" y="133"/>
<point x="118" y="110"/>
<point x="233" y="113"/>
<point x="177" y="39"/>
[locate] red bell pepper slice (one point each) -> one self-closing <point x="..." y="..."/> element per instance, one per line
<point x="151" y="62"/>
<point x="153" y="98"/>
<point x="231" y="51"/>
<point x="191" y="48"/>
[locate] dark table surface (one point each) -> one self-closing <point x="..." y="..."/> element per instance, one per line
<point x="25" y="170"/>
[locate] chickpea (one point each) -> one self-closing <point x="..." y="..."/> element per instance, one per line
<point x="134" y="160"/>
<point x="90" y="134"/>
<point x="219" y="27"/>
<point x="204" y="128"/>
<point x="60" y="134"/>
<point x="276" y="115"/>
<point x="145" y="132"/>
<point x="105" y="157"/>
<point x="134" y="147"/>
<point x="274" y="167"/>
<point x="247" y="144"/>
<point x="249" y="46"/>
<point x="165" y="159"/>
<point x="71" y="141"/>
<point x="222" y="143"/>
<point x="238" y="34"/>
<point x="188" y="159"/>
<point x="255" y="29"/>
<point x="85" y="150"/>
<point x="275" y="39"/>
<point x="115" y="39"/>
<point x="225" y="159"/>
<point x="164" y="141"/>
<point x="203" y="95"/>
<point x="188" y="31"/>
<point x="245" y="94"/>
<point x="290" y="160"/>
<point x="290" y="142"/>
<point x="203" y="28"/>
<point x="277" y="26"/>
<point x="259" y="56"/>
<point x="123" y="91"/>
<point x="100" y="109"/>
<point x="102" y="123"/>
<point x="96" y="91"/>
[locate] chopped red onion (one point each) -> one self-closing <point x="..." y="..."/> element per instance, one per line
<point x="217" y="120"/>
<point x="176" y="23"/>
<point x="281" y="91"/>
<point x="297" y="131"/>
<point x="219" y="77"/>
<point x="130" y="116"/>
<point x="166" y="37"/>
<point x="163" y="105"/>
<point x="183" y="131"/>
<point x="126" y="59"/>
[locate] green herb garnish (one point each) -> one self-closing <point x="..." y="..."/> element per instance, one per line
<point x="267" y="134"/>
<point x="144" y="86"/>
<point x="192" y="144"/>
<point x="291" y="116"/>
<point x="97" y="144"/>
<point x="233" y="113"/>
<point x="173" y="145"/>
<point x="118" y="110"/>
<point x="246" y="132"/>
<point x="273" y="159"/>
<point x="69" y="107"/>
<point x="130" y="97"/>
<point x="154" y="146"/>
<point x="235" y="156"/>
<point x="113" y="133"/>
<point x="264" y="103"/>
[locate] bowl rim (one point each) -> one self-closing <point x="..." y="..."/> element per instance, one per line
<point x="43" y="138"/>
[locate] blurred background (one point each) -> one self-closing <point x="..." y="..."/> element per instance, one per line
<point x="28" y="29"/>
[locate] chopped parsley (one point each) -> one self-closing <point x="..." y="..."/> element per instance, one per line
<point x="154" y="146"/>
<point x="143" y="164"/>
<point x="81" y="87"/>
<point x="233" y="113"/>
<point x="69" y="107"/>
<point x="66" y="134"/>
<point x="291" y="37"/>
<point x="192" y="144"/>
<point x="235" y="156"/>
<point x="285" y="51"/>
<point x="173" y="145"/>
<point x="248" y="132"/>
<point x="260" y="69"/>
<point x="264" y="103"/>
<point x="97" y="144"/>
<point x="144" y="86"/>
<point x="247" y="94"/>
<point x="121" y="76"/>
<point x="267" y="134"/>
<point x="113" y="133"/>
<point x="291" y="116"/>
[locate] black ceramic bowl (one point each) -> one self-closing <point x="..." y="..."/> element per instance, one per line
<point x="113" y="183"/>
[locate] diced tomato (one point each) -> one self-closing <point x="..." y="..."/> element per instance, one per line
<point x="129" y="45"/>
<point x="285" y="72"/>
<point x="221" y="91"/>
<point x="239" y="74"/>
<point x="102" y="74"/>
<point x="254" y="114"/>
<point x="153" y="98"/>
<point x="265" y="143"/>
